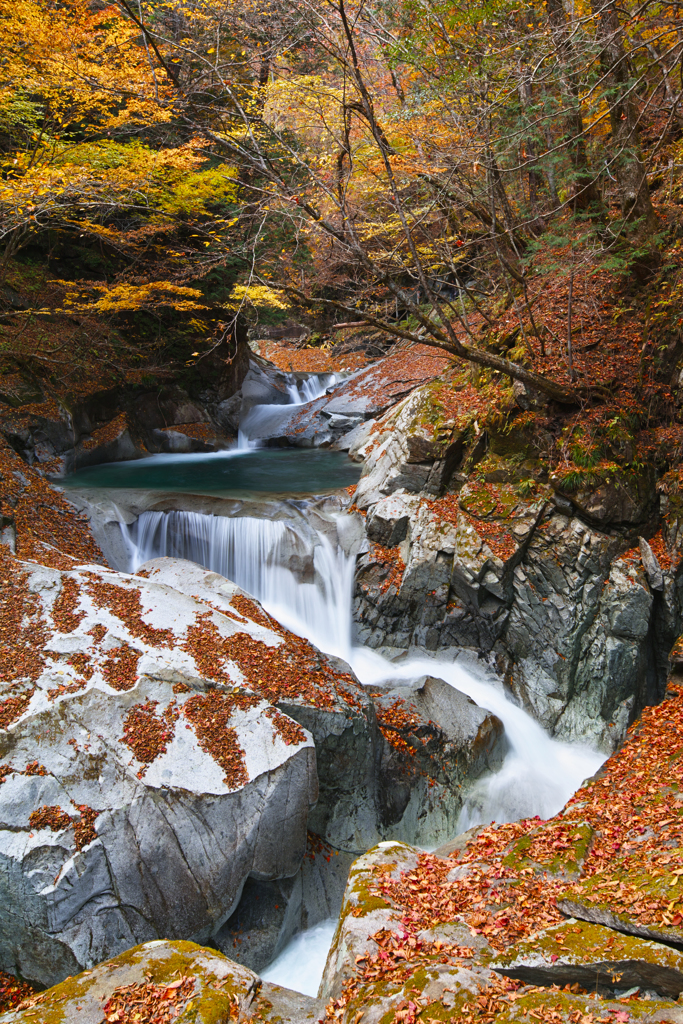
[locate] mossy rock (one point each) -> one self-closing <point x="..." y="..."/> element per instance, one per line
<point x="635" y="899"/>
<point x="596" y="958"/>
<point x="507" y="443"/>
<point x="220" y="986"/>
<point x="567" y="1008"/>
<point x="556" y="848"/>
<point x="363" y="912"/>
<point x="438" y="987"/>
<point x="494" y="501"/>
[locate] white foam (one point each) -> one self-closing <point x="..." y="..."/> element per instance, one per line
<point x="301" y="964"/>
<point x="263" y="420"/>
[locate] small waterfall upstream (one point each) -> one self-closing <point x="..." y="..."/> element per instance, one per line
<point x="305" y="581"/>
<point x="263" y="420"/>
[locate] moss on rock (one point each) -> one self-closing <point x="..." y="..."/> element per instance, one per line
<point x="221" y="987"/>
<point x="594" y="957"/>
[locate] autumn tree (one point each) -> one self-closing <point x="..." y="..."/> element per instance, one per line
<point x="393" y="163"/>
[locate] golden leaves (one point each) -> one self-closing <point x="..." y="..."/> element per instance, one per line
<point x="124" y="296"/>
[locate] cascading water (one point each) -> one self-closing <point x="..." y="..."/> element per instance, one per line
<point x="263" y="420"/>
<point x="539" y="774"/>
<point x="314" y="600"/>
<point x="256" y="554"/>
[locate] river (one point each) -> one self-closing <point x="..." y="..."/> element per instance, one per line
<point x="538" y="775"/>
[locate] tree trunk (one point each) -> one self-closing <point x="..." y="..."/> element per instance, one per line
<point x="585" y="189"/>
<point x="626" y="162"/>
<point x="530" y="153"/>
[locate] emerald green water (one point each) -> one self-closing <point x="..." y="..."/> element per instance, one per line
<point x="290" y="471"/>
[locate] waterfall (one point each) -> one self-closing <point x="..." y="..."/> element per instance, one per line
<point x="263" y="420"/>
<point x="306" y="582"/>
<point x="299" y="577"/>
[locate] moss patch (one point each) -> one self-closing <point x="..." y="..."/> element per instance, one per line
<point x="219" y="985"/>
<point x="557" y="847"/>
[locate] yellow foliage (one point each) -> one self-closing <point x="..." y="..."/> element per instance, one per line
<point x="82" y="62"/>
<point x="257" y="295"/>
<point x="120" y="297"/>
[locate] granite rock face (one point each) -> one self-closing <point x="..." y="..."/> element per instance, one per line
<point x="569" y="604"/>
<point x="409" y="453"/>
<point x="270" y="914"/>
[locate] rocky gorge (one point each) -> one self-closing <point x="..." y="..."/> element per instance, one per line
<point x="175" y="717"/>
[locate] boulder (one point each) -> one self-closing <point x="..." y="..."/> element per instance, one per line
<point x="436" y="742"/>
<point x="181" y="441"/>
<point x="158" y="978"/>
<point x="387" y="523"/>
<point x="437" y="962"/>
<point x="429" y="744"/>
<point x="176" y="719"/>
<point x="144" y="776"/>
<point x="596" y="958"/>
<point x="485" y="911"/>
<point x="413" y="939"/>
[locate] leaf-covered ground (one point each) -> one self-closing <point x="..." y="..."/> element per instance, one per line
<point x="615" y="849"/>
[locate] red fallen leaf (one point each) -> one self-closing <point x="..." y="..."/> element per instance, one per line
<point x="553" y="957"/>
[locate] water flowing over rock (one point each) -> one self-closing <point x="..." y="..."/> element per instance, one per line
<point x="299" y="564"/>
<point x="334" y="413"/>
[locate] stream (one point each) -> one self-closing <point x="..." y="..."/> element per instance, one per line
<point x="538" y="775"/>
<point x="303" y="574"/>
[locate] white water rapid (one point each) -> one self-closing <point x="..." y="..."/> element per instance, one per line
<point x="306" y="583"/>
<point x="263" y="420"/>
<point x="268" y="558"/>
<point x="255" y="554"/>
<point x="301" y="963"/>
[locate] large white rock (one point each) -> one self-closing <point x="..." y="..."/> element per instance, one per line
<point x="143" y="777"/>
